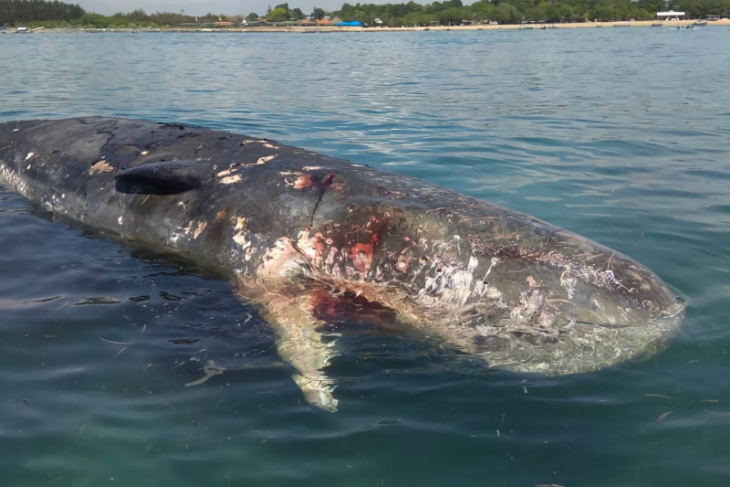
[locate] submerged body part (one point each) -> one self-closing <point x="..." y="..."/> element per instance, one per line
<point x="301" y="233"/>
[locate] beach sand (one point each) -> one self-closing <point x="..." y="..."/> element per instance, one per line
<point x="327" y="29"/>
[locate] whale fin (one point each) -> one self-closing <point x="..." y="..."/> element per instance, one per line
<point x="302" y="344"/>
<point x="163" y="178"/>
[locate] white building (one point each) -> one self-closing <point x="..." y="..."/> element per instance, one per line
<point x="671" y="15"/>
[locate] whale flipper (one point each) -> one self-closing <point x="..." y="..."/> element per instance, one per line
<point x="302" y="344"/>
<point x="163" y="178"/>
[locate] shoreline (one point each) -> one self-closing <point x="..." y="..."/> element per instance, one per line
<point x="328" y="30"/>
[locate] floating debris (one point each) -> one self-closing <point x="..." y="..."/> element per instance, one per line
<point x="116" y="343"/>
<point x="210" y="370"/>
<point x="662" y="416"/>
<point x="185" y="341"/>
<point x="97" y="300"/>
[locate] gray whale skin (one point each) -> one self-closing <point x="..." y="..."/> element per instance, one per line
<point x="308" y="237"/>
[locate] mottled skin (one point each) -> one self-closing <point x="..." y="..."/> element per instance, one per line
<point x="301" y="233"/>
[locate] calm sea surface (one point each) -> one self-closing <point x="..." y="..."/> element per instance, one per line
<point x="622" y="135"/>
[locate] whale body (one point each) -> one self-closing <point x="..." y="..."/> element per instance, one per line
<point x="304" y="235"/>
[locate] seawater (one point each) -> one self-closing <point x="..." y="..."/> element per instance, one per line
<point x="622" y="135"/>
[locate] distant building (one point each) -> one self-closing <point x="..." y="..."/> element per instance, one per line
<point x="335" y="21"/>
<point x="671" y="15"/>
<point x="323" y="22"/>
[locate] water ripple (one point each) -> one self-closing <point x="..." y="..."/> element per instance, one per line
<point x="618" y="134"/>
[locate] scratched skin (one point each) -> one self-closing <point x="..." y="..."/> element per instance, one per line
<point x="306" y="236"/>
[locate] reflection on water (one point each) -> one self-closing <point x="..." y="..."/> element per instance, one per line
<point x="620" y="136"/>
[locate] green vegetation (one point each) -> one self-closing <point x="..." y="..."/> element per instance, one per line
<point x="282" y="13"/>
<point x="37" y="13"/>
<point x="14" y="12"/>
<point x="512" y="11"/>
<point x="277" y="15"/>
<point x="703" y="8"/>
<point x="40" y="13"/>
<point x="55" y="14"/>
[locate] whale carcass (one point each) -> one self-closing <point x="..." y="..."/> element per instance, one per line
<point x="298" y="232"/>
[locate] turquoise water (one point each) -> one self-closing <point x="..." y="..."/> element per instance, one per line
<point x="622" y="135"/>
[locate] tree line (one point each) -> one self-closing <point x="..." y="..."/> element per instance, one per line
<point x="19" y="11"/>
<point x="35" y="13"/>
<point x="514" y="11"/>
<point x="450" y="12"/>
<point x="281" y="13"/>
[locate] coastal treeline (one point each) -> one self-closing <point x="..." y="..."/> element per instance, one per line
<point x="282" y="13"/>
<point x="36" y="13"/>
<point x="514" y="11"/>
<point x="19" y="11"/>
<point x="42" y="13"/>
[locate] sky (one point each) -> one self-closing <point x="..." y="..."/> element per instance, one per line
<point x="202" y="7"/>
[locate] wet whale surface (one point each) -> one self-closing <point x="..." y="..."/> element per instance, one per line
<point x="307" y="237"/>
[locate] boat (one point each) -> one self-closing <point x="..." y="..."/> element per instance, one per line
<point x="657" y="24"/>
<point x="622" y="24"/>
<point x="700" y="23"/>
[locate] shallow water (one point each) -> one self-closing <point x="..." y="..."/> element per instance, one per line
<point x="622" y="135"/>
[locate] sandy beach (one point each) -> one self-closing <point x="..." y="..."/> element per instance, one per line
<point x="648" y="23"/>
<point x="325" y="29"/>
